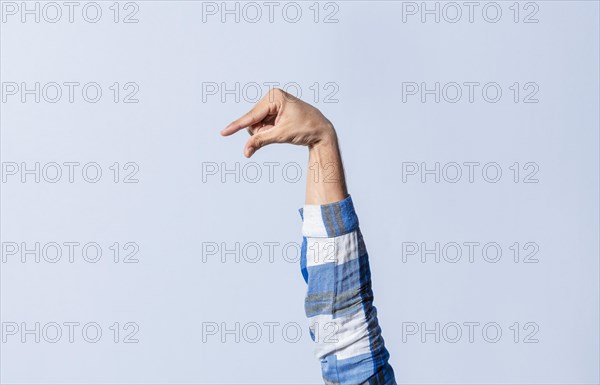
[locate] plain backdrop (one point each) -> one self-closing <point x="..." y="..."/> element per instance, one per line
<point x="180" y="208"/>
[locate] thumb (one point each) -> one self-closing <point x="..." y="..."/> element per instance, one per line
<point x="259" y="140"/>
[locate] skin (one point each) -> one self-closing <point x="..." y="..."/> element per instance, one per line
<point x="282" y="118"/>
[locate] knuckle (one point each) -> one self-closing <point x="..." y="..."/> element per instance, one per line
<point x="275" y="95"/>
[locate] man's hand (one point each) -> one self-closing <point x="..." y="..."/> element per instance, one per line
<point x="282" y="118"/>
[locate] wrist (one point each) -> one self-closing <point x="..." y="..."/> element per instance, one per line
<point x="325" y="179"/>
<point x="327" y="140"/>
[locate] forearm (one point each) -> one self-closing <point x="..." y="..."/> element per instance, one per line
<point x="325" y="180"/>
<point x="339" y="301"/>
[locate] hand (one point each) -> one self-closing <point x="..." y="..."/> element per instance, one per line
<point x="282" y="118"/>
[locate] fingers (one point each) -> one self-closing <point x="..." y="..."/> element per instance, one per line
<point x="268" y="135"/>
<point x="254" y="128"/>
<point x="254" y="116"/>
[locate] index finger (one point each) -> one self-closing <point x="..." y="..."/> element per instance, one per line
<point x="255" y="115"/>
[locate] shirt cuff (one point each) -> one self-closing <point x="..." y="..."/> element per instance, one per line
<point x="330" y="220"/>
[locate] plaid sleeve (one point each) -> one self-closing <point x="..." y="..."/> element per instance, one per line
<point x="339" y="300"/>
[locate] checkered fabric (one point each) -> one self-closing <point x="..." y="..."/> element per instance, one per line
<point x="339" y="300"/>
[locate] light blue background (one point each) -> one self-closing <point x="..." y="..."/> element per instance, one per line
<point x="369" y="53"/>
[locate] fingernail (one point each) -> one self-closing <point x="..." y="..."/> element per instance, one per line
<point x="250" y="151"/>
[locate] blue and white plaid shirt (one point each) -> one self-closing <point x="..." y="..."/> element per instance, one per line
<point x="339" y="299"/>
